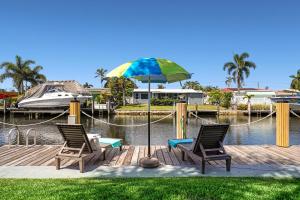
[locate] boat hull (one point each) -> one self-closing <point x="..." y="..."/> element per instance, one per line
<point x="49" y="103"/>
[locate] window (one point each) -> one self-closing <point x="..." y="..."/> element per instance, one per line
<point x="136" y="95"/>
<point x="144" y="96"/>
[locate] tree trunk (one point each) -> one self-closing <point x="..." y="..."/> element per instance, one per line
<point x="249" y="107"/>
<point x="124" y="91"/>
<point x="238" y="85"/>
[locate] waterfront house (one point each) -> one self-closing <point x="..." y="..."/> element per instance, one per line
<point x="140" y="96"/>
<point x="260" y="96"/>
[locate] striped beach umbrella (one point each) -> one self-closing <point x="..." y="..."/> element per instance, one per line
<point x="156" y="69"/>
<point x="151" y="70"/>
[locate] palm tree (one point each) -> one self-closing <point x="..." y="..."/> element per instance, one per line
<point x="21" y="73"/>
<point x="34" y="77"/>
<point x="229" y="80"/>
<point x="87" y="85"/>
<point x="239" y="68"/>
<point x="249" y="97"/>
<point x="100" y="73"/>
<point x="295" y="84"/>
<point x="192" y="85"/>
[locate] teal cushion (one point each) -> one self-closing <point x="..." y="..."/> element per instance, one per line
<point x="114" y="142"/>
<point x="174" y="142"/>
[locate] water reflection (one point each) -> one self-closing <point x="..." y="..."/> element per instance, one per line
<point x="259" y="133"/>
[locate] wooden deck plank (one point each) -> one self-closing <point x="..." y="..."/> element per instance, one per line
<point x="268" y="156"/>
<point x="153" y="151"/>
<point x="46" y="157"/>
<point x="18" y="154"/>
<point x="166" y="155"/>
<point x="109" y="156"/>
<point x="31" y="156"/>
<point x="10" y="151"/>
<point x="173" y="158"/>
<point x="259" y="155"/>
<point x="241" y="155"/>
<point x="127" y="159"/>
<point x="141" y="152"/>
<point x="160" y="155"/>
<point x="280" y="153"/>
<point x="295" y="152"/>
<point x="134" y="159"/>
<point x="122" y="156"/>
<point x="115" y="157"/>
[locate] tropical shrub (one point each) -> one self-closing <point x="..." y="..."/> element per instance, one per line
<point x="220" y="98"/>
<point x="226" y="99"/>
<point x="254" y="107"/>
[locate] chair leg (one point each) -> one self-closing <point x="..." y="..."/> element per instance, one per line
<point x="169" y="147"/>
<point x="103" y="153"/>
<point x="228" y="164"/>
<point x="57" y="161"/>
<point x="183" y="155"/>
<point x="121" y="148"/>
<point x="203" y="167"/>
<point x="81" y="165"/>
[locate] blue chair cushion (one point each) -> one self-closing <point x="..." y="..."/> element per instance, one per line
<point x="112" y="141"/>
<point x="174" y="142"/>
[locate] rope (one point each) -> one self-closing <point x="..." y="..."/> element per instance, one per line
<point x="205" y="120"/>
<point x="295" y="114"/>
<point x="122" y="125"/>
<point x="236" y="125"/>
<point x="247" y="124"/>
<point x="39" y="123"/>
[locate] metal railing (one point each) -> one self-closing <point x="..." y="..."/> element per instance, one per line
<point x="17" y="131"/>
<point x="31" y="130"/>
<point x="11" y="131"/>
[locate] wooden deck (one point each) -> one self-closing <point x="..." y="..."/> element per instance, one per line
<point x="248" y="155"/>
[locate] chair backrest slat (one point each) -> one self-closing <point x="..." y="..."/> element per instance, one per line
<point x="210" y="136"/>
<point x="75" y="136"/>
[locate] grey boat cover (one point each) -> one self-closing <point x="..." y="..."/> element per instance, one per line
<point x="67" y="86"/>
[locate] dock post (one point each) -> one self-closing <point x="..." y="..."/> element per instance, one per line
<point x="181" y="117"/>
<point x="282" y="124"/>
<point x="4" y="106"/>
<point x="74" y="116"/>
<point x="93" y="105"/>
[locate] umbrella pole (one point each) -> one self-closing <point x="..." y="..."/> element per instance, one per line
<point x="149" y="162"/>
<point x="149" y="110"/>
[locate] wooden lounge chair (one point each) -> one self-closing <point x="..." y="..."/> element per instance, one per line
<point x="207" y="146"/>
<point x="77" y="145"/>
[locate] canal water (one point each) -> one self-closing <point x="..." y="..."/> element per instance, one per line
<point x="258" y="133"/>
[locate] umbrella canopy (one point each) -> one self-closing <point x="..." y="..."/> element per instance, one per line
<point x="151" y="70"/>
<point x="156" y="69"/>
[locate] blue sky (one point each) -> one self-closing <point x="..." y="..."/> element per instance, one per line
<point x="71" y="38"/>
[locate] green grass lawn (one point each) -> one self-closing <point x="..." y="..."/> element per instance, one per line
<point x="151" y="188"/>
<point x="143" y="107"/>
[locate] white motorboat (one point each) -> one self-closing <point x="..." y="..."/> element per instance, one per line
<point x="52" y="98"/>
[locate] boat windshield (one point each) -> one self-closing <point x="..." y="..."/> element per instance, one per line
<point x="54" y="90"/>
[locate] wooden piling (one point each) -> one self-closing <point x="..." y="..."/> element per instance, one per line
<point x="75" y="110"/>
<point x="282" y="124"/>
<point x="181" y="117"/>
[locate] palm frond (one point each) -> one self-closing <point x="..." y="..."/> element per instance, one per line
<point x="246" y="70"/>
<point x="250" y="64"/>
<point x="244" y="55"/>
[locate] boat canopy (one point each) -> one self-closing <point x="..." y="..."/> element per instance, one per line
<point x="66" y="86"/>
